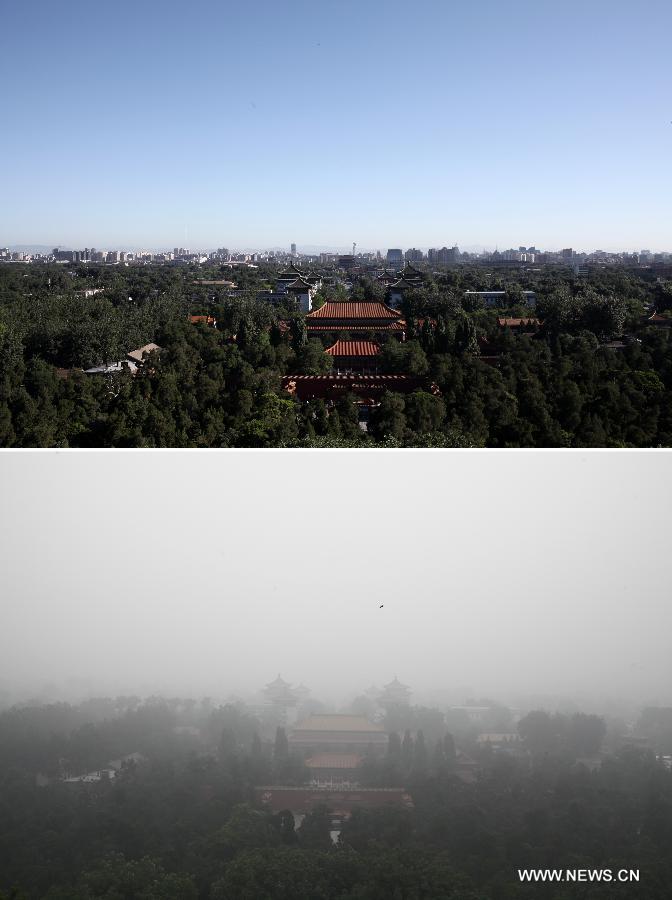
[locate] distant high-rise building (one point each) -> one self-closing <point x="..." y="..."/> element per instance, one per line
<point x="395" y="257"/>
<point x="567" y="253"/>
<point x="414" y="255"/>
<point x="446" y="256"/>
<point x="293" y="249"/>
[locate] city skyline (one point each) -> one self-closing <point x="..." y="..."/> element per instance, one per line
<point x="143" y="126"/>
<point x="291" y="248"/>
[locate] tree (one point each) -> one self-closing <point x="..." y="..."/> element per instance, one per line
<point x="281" y="746"/>
<point x="298" y="333"/>
<point x="287" y="827"/>
<point x="404" y="358"/>
<point x="389" y="419"/>
<point x="465" y="336"/>
<point x="586" y="733"/>
<point x="424" y="412"/>
<point x="540" y="732"/>
<point x="115" y="877"/>
<point x="603" y="315"/>
<point x="394" y="752"/>
<point x="314" y="831"/>
<point x="449" y="748"/>
<point x="247" y="829"/>
<point x="407" y="750"/>
<point x="311" y="358"/>
<point x="419" y="755"/>
<point x="439" y="761"/>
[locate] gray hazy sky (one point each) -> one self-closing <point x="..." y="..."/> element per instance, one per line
<point x="212" y="572"/>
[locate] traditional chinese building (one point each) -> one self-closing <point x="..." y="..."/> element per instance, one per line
<point x="290" y="274"/>
<point x="358" y="328"/>
<point x="337" y="734"/>
<point x="356" y="317"/>
<point x="397" y="290"/>
<point x="303" y="292"/>
<point x="387" y="278"/>
<point x="340" y="800"/>
<point x="280" y="693"/>
<point x="301" y="800"/>
<point x="519" y="325"/>
<point x="412" y="275"/>
<point x="366" y="389"/>
<point x="334" y="768"/>
<point x="355" y="356"/>
<point x="300" y="285"/>
<point x="205" y="320"/>
<point x="394" y="692"/>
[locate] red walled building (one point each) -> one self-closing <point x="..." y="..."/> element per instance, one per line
<point x="340" y="800"/>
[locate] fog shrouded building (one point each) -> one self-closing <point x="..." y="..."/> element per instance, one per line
<point x="395" y="257"/>
<point x="337" y="733"/>
<point x="393" y="693"/>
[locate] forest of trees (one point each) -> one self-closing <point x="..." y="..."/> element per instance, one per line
<point x="566" y="384"/>
<point x="180" y="822"/>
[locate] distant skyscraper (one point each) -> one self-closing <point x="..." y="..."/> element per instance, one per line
<point x="293" y="249"/>
<point x="446" y="255"/>
<point x="567" y="253"/>
<point x="414" y="255"/>
<point x="395" y="257"/>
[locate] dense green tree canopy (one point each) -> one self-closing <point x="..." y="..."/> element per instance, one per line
<point x="595" y="373"/>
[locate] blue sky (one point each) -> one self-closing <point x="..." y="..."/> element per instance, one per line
<point x="391" y="124"/>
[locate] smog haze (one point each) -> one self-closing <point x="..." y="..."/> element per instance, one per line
<point x="502" y="575"/>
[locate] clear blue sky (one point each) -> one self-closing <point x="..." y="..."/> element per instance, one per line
<point x="390" y="124"/>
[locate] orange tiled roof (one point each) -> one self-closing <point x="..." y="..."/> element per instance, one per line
<point x="656" y="317"/>
<point x="352" y="379"/>
<point x="338" y="325"/>
<point x="334" y="761"/>
<point x="516" y="323"/>
<point x="354" y="309"/>
<point x="353" y="348"/>
<point x="209" y="320"/>
<point x="336" y="722"/>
